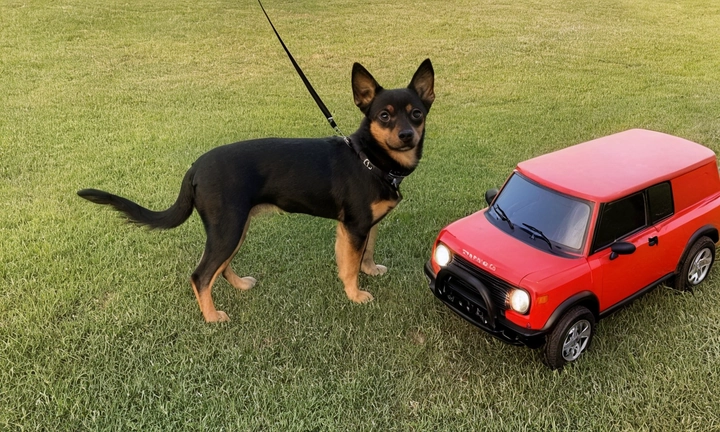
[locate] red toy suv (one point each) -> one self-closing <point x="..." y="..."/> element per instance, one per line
<point x="574" y="235"/>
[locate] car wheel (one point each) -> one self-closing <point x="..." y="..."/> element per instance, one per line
<point x="697" y="264"/>
<point x="570" y="338"/>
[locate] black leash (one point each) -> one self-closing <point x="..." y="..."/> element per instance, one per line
<point x="309" y="86"/>
<point x="392" y="178"/>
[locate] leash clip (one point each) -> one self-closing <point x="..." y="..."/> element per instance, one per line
<point x="395" y="180"/>
<point x="368" y="164"/>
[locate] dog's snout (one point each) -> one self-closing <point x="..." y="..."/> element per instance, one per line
<point x="406" y="135"/>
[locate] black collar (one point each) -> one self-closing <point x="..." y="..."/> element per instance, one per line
<point x="394" y="178"/>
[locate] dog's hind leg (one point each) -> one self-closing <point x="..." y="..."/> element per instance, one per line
<point x="224" y="237"/>
<point x="368" y="265"/>
<point x="247" y="282"/>
<point x="348" y="252"/>
<point x="241" y="283"/>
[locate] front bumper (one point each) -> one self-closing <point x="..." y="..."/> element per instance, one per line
<point x="466" y="295"/>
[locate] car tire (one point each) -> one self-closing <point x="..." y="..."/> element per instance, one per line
<point x="570" y="338"/>
<point x="696" y="266"/>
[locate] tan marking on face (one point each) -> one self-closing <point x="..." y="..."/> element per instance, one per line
<point x="421" y="127"/>
<point x="420" y="130"/>
<point x="381" y="134"/>
<point x="388" y="138"/>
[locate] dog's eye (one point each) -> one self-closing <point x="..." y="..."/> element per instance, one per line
<point x="416" y="114"/>
<point x="384" y="116"/>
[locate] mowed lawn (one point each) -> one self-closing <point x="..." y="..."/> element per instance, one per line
<point x="99" y="328"/>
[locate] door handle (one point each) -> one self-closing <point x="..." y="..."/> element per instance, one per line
<point x="653" y="241"/>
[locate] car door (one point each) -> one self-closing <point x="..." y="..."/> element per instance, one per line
<point x="620" y="276"/>
<point x="661" y="207"/>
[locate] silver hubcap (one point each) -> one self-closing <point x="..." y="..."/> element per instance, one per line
<point x="700" y="266"/>
<point x="576" y="339"/>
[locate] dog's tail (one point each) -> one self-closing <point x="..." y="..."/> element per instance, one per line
<point x="170" y="218"/>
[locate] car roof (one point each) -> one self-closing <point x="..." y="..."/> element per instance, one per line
<point x="614" y="166"/>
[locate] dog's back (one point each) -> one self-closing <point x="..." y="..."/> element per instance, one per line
<point x="311" y="176"/>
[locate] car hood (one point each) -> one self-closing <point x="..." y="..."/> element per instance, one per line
<point x="478" y="241"/>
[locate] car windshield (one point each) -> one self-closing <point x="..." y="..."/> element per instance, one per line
<point x="538" y="214"/>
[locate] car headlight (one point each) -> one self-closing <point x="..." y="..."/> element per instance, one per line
<point x="519" y="300"/>
<point x="442" y="255"/>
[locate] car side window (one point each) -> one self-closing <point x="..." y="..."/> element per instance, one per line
<point x="660" y="202"/>
<point x="618" y="219"/>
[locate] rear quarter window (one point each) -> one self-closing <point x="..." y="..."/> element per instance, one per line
<point x="660" y="202"/>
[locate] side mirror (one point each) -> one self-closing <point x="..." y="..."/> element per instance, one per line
<point x="490" y="195"/>
<point x="621" y="248"/>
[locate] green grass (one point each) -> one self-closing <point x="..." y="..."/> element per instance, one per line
<point x="99" y="329"/>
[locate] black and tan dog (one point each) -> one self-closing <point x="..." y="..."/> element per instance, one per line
<point x="354" y="182"/>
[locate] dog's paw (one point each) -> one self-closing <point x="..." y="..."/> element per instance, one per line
<point x="241" y="283"/>
<point x="245" y="283"/>
<point x="217" y="316"/>
<point x="373" y="269"/>
<point x="360" y="296"/>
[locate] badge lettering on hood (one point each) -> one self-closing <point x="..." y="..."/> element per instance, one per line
<point x="477" y="260"/>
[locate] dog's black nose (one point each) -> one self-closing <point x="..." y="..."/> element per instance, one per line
<point x="406" y="135"/>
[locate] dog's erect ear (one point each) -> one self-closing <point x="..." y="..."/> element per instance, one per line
<point x="423" y="83"/>
<point x="364" y="86"/>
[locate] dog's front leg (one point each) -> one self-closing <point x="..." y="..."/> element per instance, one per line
<point x="368" y="265"/>
<point x="349" y="252"/>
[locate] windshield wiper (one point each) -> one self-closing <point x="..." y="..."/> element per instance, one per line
<point x="503" y="216"/>
<point x="534" y="232"/>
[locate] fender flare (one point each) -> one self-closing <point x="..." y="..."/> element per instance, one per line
<point x="585" y="298"/>
<point x="708" y="230"/>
